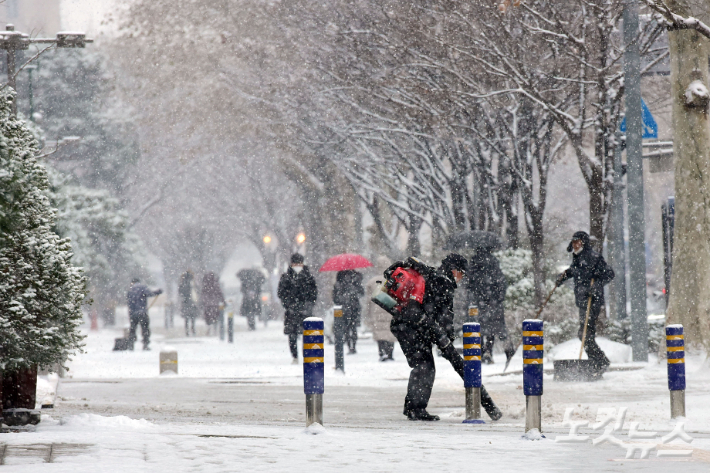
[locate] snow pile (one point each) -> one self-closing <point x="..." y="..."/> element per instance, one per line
<point x="569" y="350"/>
<point x="46" y="389"/>
<point x="696" y="93"/>
<point x="532" y="434"/>
<point x="314" y="429"/>
<point x="94" y="421"/>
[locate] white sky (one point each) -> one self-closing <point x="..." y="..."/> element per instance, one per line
<point x="87" y="15"/>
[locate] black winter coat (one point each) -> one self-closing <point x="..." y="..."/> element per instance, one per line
<point x="347" y="292"/>
<point x="298" y="293"/>
<point x="251" y="280"/>
<point x="588" y="265"/>
<point x="486" y="287"/>
<point x="137" y="297"/>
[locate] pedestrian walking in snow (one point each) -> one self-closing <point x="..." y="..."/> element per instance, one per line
<point x="420" y="326"/>
<point x="251" y="280"/>
<point x="137" y="297"/>
<point x="212" y="301"/>
<point x="347" y="293"/>
<point x="298" y="293"/>
<point x="379" y="321"/>
<point x="486" y="286"/>
<point x="188" y="308"/>
<point x="590" y="273"/>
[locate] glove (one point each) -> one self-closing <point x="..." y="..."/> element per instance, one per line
<point x="560" y="279"/>
<point x="158" y="292"/>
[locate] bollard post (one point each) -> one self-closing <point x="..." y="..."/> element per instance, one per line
<point x="313" y="372"/>
<point x="675" y="346"/>
<point x="230" y="326"/>
<point x="339" y="333"/>
<point x="532" y="373"/>
<point x="472" y="313"/>
<point x="168" y="361"/>
<point x="472" y="371"/>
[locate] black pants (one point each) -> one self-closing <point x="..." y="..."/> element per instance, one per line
<point x="385" y="348"/>
<point x="189" y="320"/>
<point x="292" y="344"/>
<point x="489" y="341"/>
<point x="351" y="324"/>
<point x="416" y="342"/>
<point x="594" y="353"/>
<point x="142" y="320"/>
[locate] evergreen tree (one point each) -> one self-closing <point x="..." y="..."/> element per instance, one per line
<point x="41" y="292"/>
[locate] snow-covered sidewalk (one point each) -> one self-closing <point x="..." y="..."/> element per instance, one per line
<point x="240" y="407"/>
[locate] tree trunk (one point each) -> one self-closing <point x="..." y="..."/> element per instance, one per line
<point x="689" y="301"/>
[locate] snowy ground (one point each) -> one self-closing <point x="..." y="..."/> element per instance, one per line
<point x="240" y="407"/>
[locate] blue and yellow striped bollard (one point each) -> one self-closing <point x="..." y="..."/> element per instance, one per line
<point x="675" y="346"/>
<point x="533" y="354"/>
<point x="472" y="371"/>
<point x="313" y="369"/>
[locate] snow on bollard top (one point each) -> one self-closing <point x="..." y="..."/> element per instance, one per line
<point x="313" y="319"/>
<point x="674" y="326"/>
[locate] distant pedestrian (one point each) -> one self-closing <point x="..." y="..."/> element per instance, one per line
<point x="137" y="297"/>
<point x="252" y="280"/>
<point x="486" y="288"/>
<point x="212" y="301"/>
<point x="347" y="293"/>
<point x="188" y="307"/>
<point x="298" y="293"/>
<point x="379" y="321"/>
<point x="590" y="273"/>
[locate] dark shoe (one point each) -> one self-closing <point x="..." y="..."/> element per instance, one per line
<point x="487" y="359"/>
<point x="421" y="414"/>
<point x="352" y="352"/>
<point x="146" y="348"/>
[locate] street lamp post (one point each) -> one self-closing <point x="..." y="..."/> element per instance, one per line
<point x="12" y="41"/>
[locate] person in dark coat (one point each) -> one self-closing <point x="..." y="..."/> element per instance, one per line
<point x="298" y="293"/>
<point x="420" y="326"/>
<point x="137" y="297"/>
<point x="347" y="293"/>
<point x="590" y="273"/>
<point x="212" y="300"/>
<point x="252" y="280"/>
<point x="486" y="286"/>
<point x="188" y="308"/>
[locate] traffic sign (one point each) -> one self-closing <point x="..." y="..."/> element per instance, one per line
<point x="650" y="127"/>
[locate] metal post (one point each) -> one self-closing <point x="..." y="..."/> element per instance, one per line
<point x="634" y="179"/>
<point x="472" y="371"/>
<point x="339" y="333"/>
<point x="533" y="353"/>
<point x="313" y="371"/>
<point x="31" y="93"/>
<point x="11" y="78"/>
<point x="230" y="326"/>
<point x="668" y="213"/>
<point x="472" y="313"/>
<point x="675" y="346"/>
<point x="616" y="246"/>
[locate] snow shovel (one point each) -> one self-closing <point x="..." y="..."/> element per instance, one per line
<point x="579" y="369"/>
<point x="537" y="316"/>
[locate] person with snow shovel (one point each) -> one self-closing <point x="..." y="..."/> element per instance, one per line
<point x="420" y="326"/>
<point x="590" y="273"/>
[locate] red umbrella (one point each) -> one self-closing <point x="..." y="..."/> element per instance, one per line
<point x="344" y="262"/>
